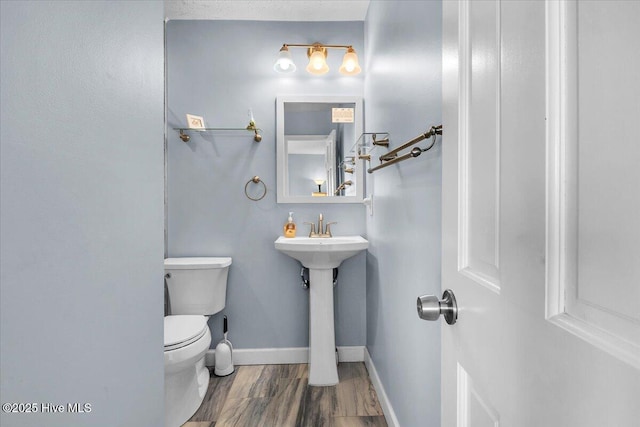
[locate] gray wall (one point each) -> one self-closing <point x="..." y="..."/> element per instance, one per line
<point x="302" y="169"/>
<point x="82" y="217"/>
<point x="218" y="69"/>
<point x="402" y="94"/>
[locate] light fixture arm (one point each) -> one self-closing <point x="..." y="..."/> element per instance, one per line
<point x="328" y="46"/>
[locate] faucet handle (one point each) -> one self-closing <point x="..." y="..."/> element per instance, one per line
<point x="328" y="228"/>
<point x="313" y="228"/>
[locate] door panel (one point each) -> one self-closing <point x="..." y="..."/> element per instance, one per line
<point x="538" y="220"/>
<point x="479" y="162"/>
<point x="594" y="201"/>
<point x="608" y="197"/>
<point x="473" y="409"/>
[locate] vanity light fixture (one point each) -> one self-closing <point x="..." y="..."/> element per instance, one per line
<point x="317" y="54"/>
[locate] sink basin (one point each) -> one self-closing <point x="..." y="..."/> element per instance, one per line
<point x="321" y="252"/>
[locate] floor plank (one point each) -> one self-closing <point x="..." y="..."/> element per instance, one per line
<point x="214" y="399"/>
<point x="248" y="382"/>
<point x="349" y="371"/>
<point x="199" y="424"/>
<point x="280" y="410"/>
<point x="287" y="371"/>
<point x="378" y="421"/>
<point x="318" y="407"/>
<point x="357" y="397"/>
<point x="279" y="396"/>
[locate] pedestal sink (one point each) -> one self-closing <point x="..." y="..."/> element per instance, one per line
<point x="321" y="256"/>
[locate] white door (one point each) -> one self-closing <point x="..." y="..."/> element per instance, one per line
<point x="330" y="162"/>
<point x="541" y="213"/>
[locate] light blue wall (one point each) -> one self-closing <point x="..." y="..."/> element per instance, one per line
<point x="302" y="169"/>
<point x="218" y="69"/>
<point x="82" y="210"/>
<point x="402" y="94"/>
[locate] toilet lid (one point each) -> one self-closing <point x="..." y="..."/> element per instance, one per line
<point x="196" y="263"/>
<point x="183" y="330"/>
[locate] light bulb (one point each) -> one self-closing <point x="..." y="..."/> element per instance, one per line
<point x="317" y="62"/>
<point x="284" y="63"/>
<point x="350" y="64"/>
<point x="317" y="58"/>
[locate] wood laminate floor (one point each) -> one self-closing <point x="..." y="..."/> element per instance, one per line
<point x="279" y="396"/>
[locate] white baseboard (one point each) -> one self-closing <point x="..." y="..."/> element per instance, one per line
<point x="270" y="356"/>
<point x="387" y="409"/>
<point x="282" y="356"/>
<point x="351" y="354"/>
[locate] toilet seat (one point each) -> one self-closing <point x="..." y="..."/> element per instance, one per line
<point x="182" y="330"/>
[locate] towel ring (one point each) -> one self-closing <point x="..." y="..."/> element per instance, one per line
<point x="256" y="179"/>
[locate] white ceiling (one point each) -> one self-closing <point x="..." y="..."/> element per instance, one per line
<point x="268" y="10"/>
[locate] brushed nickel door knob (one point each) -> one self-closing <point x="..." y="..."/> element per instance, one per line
<point x="430" y="307"/>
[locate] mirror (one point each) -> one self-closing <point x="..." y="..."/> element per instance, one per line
<point x="315" y="137"/>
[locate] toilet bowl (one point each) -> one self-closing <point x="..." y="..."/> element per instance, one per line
<point x="187" y="339"/>
<point x="196" y="289"/>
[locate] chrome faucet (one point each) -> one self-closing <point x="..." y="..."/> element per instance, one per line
<point x="321" y="233"/>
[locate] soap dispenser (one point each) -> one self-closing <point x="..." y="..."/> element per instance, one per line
<point x="290" y="227"/>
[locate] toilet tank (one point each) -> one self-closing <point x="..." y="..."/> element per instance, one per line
<point x="197" y="285"/>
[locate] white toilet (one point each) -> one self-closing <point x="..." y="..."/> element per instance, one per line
<point x="197" y="288"/>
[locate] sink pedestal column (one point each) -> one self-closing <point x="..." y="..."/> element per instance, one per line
<point x="322" y="343"/>
<point x="321" y="255"/>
